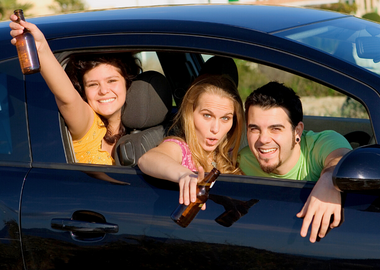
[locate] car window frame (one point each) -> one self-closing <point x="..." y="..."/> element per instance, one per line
<point x="259" y="53"/>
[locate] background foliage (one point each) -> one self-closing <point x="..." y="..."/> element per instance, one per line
<point x="8" y="6"/>
<point x="64" y="6"/>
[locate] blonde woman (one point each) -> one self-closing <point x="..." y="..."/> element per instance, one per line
<point x="207" y="128"/>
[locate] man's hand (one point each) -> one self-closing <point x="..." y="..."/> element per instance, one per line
<point x="324" y="202"/>
<point x="323" y="208"/>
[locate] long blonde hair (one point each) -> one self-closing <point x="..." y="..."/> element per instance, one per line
<point x="226" y="153"/>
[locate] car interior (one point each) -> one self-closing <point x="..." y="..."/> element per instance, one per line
<point x="157" y="92"/>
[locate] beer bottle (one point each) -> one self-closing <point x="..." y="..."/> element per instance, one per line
<point x="184" y="214"/>
<point x="26" y="48"/>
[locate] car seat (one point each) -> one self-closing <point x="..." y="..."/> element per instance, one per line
<point x="221" y="65"/>
<point x="148" y="104"/>
<point x="224" y="65"/>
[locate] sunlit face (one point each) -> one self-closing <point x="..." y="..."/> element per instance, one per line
<point x="271" y="139"/>
<point x="105" y="90"/>
<point x="213" y="119"/>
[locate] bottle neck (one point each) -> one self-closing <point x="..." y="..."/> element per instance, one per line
<point x="210" y="177"/>
<point x="20" y="15"/>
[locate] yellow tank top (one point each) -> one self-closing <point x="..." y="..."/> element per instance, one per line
<point x="89" y="148"/>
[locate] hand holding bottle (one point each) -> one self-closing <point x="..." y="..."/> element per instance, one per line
<point x="184" y="214"/>
<point x="188" y="187"/>
<point x="17" y="28"/>
<point x="26" y="48"/>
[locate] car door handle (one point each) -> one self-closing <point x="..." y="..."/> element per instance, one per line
<point x="78" y="226"/>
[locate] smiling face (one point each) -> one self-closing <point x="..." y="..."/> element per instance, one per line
<point x="105" y="90"/>
<point x="272" y="139"/>
<point x="213" y="119"/>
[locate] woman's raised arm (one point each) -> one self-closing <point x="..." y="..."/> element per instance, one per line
<point x="69" y="102"/>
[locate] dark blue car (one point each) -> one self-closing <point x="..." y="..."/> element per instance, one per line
<point x="59" y="214"/>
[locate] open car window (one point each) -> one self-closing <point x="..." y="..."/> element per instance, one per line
<point x="324" y="108"/>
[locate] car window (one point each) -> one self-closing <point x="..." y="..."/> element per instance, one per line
<point x="14" y="144"/>
<point x="317" y="99"/>
<point x="324" y="108"/>
<point x="150" y="61"/>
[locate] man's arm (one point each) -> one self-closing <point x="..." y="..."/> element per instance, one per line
<point x="323" y="201"/>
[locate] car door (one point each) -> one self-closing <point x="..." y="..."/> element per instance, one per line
<point x="71" y="218"/>
<point x="15" y="160"/>
<point x="75" y="215"/>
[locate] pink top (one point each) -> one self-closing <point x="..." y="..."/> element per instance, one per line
<point x="187" y="160"/>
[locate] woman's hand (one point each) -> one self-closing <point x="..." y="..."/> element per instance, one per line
<point x="188" y="187"/>
<point x="18" y="28"/>
<point x="164" y="162"/>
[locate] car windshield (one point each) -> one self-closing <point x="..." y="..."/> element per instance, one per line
<point x="351" y="39"/>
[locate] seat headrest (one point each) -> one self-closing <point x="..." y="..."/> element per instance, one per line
<point x="148" y="102"/>
<point x="217" y="65"/>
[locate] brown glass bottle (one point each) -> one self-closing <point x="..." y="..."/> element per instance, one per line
<point x="26" y="49"/>
<point x="184" y="214"/>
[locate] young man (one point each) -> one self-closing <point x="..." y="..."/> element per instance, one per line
<point x="280" y="147"/>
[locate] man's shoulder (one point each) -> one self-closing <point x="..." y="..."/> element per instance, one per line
<point x="317" y="134"/>
<point x="325" y="136"/>
<point x="318" y="145"/>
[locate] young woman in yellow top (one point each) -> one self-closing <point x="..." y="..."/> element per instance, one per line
<point x="91" y="102"/>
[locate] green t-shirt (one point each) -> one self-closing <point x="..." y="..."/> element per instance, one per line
<point x="315" y="147"/>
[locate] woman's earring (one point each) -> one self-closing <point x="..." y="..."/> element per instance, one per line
<point x="298" y="140"/>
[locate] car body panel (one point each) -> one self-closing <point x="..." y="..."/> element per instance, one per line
<point x="239" y="16"/>
<point x="145" y="226"/>
<point x="10" y="238"/>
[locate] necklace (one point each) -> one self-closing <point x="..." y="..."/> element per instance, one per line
<point x="213" y="163"/>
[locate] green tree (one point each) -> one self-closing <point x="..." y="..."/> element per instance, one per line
<point x="63" y="6"/>
<point x="341" y="7"/>
<point x="8" y="6"/>
<point x="373" y="16"/>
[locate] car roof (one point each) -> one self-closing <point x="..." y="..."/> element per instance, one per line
<point x="252" y="17"/>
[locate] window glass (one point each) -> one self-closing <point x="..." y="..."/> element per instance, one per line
<point x="5" y="127"/>
<point x="355" y="41"/>
<point x="13" y="128"/>
<point x="149" y="61"/>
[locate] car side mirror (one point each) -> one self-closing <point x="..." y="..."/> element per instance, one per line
<point x="358" y="170"/>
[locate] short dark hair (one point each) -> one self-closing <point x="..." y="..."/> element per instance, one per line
<point x="275" y="94"/>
